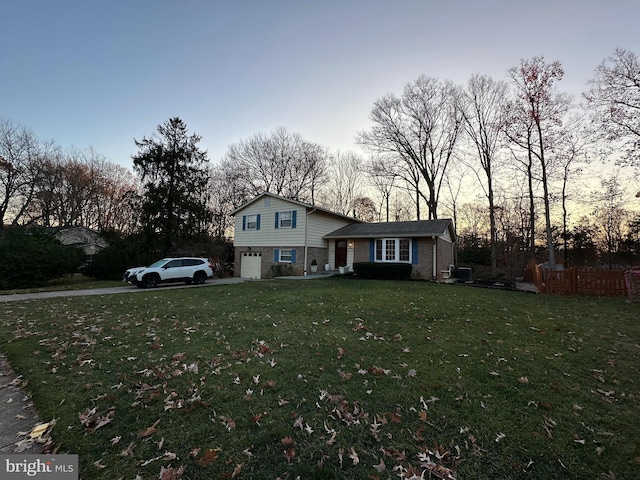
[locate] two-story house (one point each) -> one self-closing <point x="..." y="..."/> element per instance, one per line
<point x="279" y="236"/>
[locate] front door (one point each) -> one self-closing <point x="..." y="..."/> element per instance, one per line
<point x="341" y="253"/>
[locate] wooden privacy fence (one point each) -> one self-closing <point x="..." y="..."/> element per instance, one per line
<point x="606" y="283"/>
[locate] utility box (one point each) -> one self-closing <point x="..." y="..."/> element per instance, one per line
<point x="464" y="274"/>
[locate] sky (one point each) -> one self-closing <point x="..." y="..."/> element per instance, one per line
<point x="103" y="73"/>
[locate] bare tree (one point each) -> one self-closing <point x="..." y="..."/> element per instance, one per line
<point x="614" y="98"/>
<point x="21" y="158"/>
<point x="572" y="149"/>
<point x="345" y="182"/>
<point x="482" y="108"/>
<point x="519" y="129"/>
<point x="422" y="129"/>
<point x="281" y="163"/>
<point x="610" y="215"/>
<point x="383" y="175"/>
<point x="227" y="194"/>
<point x="534" y="81"/>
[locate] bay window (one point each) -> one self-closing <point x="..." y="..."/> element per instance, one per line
<point x="393" y="250"/>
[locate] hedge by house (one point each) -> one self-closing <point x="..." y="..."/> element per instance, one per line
<point x="382" y="271"/>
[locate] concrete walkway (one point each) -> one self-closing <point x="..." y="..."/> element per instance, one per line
<point x="113" y="290"/>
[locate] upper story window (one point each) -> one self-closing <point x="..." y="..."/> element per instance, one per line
<point x="251" y="222"/>
<point x="286" y="219"/>
<point x="393" y="250"/>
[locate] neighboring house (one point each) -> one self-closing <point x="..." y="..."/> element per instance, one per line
<point x="277" y="236"/>
<point x="89" y="240"/>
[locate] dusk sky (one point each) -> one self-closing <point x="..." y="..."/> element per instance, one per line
<point x="101" y="73"/>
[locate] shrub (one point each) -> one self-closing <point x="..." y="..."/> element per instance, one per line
<point x="382" y="271"/>
<point x="31" y="258"/>
<point x="121" y="254"/>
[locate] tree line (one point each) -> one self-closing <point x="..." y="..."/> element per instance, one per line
<point x="507" y="160"/>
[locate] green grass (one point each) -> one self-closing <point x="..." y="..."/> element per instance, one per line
<point x="335" y="378"/>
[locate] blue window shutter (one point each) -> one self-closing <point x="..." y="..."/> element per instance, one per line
<point x="277" y="219"/>
<point x="258" y="222"/>
<point x="276" y="255"/>
<point x="414" y="251"/>
<point x="293" y="219"/>
<point x="372" y="250"/>
<point x="244" y="222"/>
<point x="293" y="255"/>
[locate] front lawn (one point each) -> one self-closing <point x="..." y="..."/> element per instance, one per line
<point x="334" y="378"/>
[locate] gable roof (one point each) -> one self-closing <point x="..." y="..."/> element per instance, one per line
<point x="420" y="228"/>
<point x="307" y="206"/>
<point x="79" y="236"/>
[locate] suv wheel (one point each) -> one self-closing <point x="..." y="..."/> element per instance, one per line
<point x="199" y="278"/>
<point x="150" y="281"/>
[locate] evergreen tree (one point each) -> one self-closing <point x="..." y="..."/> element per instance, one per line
<point x="174" y="175"/>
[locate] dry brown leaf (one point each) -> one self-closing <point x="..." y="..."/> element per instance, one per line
<point x="149" y="431"/>
<point x="209" y="456"/>
<point x="287" y="441"/>
<point x="289" y="454"/>
<point x="171" y="473"/>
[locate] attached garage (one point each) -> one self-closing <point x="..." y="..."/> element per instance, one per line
<point x="251" y="265"/>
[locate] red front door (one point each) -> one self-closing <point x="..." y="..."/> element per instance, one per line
<point x="341" y="253"/>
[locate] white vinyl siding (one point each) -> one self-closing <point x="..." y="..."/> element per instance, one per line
<point x="319" y="224"/>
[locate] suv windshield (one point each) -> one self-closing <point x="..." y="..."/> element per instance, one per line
<point x="159" y="263"/>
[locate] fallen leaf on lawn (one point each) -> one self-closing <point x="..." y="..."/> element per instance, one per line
<point x="209" y="456"/>
<point x="127" y="451"/>
<point x="171" y="473"/>
<point x="381" y="467"/>
<point x="236" y="471"/>
<point x="500" y="437"/>
<point x="354" y="456"/>
<point x="523" y="380"/>
<point x="287" y="441"/>
<point x="256" y="418"/>
<point x="228" y="422"/>
<point x="289" y="454"/>
<point x="98" y="464"/>
<point x="149" y="431"/>
<point x="92" y="420"/>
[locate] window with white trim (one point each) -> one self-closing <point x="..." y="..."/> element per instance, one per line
<point x="285" y="220"/>
<point x="252" y="222"/>
<point x="393" y="250"/>
<point x="286" y="256"/>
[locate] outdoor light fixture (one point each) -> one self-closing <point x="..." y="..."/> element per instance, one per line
<point x="350" y="244"/>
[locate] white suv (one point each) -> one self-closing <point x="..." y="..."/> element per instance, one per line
<point x="168" y="270"/>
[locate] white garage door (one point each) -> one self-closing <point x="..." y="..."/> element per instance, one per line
<point x="251" y="265"/>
